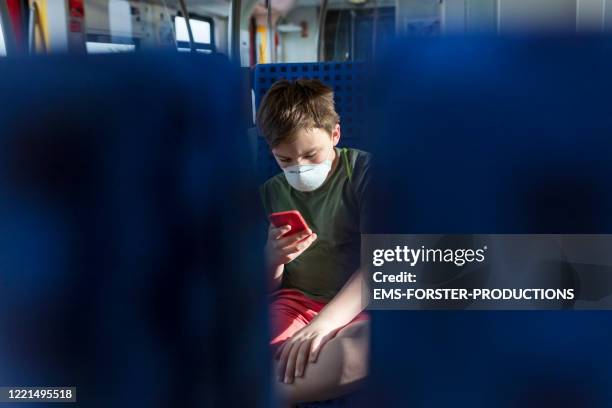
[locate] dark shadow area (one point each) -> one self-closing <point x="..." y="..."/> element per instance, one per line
<point x="130" y="264"/>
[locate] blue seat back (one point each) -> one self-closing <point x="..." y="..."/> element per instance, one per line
<point x="490" y="135"/>
<point x="123" y="180"/>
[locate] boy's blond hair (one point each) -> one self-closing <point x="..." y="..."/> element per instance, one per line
<point x="289" y="106"/>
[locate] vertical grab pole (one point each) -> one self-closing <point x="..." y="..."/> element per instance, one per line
<point x="320" y="39"/>
<point x="271" y="47"/>
<point x="33" y="22"/>
<point x="10" y="41"/>
<point x="188" y="23"/>
<point x="234" y="23"/>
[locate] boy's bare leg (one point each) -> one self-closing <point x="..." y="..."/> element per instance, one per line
<point x="340" y="368"/>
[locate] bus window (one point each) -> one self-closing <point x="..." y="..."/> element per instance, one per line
<point x="202" y="30"/>
<point x="350" y="30"/>
<point x="352" y="33"/>
<point x="109" y="26"/>
<point x="120" y="25"/>
<point x="95" y="47"/>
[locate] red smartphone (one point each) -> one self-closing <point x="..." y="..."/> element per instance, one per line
<point x="293" y="218"/>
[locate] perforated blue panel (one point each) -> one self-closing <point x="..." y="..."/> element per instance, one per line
<point x="347" y="81"/>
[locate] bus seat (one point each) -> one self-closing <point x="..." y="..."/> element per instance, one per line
<point x="491" y="135"/>
<point x="128" y="263"/>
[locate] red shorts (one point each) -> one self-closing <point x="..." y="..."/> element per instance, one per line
<point x="291" y="310"/>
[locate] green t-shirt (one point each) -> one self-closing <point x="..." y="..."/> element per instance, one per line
<point x="336" y="212"/>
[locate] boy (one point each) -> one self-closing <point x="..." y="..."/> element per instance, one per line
<point x="320" y="333"/>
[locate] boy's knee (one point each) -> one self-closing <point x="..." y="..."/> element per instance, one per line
<point x="354" y="341"/>
<point x="359" y="330"/>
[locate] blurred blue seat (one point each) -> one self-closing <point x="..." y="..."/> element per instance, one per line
<point x="348" y="82"/>
<point x="130" y="266"/>
<point x="491" y="135"/>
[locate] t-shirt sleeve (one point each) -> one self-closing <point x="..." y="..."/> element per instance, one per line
<point x="363" y="191"/>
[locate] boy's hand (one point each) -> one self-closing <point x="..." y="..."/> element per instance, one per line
<point x="303" y="348"/>
<point x="282" y="250"/>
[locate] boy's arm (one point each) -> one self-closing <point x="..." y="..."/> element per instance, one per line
<point x="282" y="250"/>
<point x="275" y="276"/>
<point x="346" y="304"/>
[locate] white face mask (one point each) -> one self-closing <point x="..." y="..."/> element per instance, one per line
<point x="307" y="177"/>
